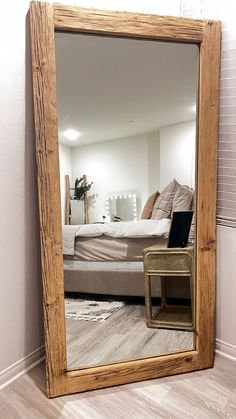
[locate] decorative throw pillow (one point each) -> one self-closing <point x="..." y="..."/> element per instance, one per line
<point x="147" y="209"/>
<point x="163" y="205"/>
<point x="192" y="228"/>
<point x="183" y="199"/>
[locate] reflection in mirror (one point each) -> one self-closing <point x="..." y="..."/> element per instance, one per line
<point x="127" y="140"/>
<point x="122" y="208"/>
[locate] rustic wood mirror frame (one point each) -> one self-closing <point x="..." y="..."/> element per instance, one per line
<point x="45" y="19"/>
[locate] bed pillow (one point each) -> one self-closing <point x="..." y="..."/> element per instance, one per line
<point x="147" y="209"/>
<point x="162" y="207"/>
<point x="192" y="228"/>
<point x="183" y="199"/>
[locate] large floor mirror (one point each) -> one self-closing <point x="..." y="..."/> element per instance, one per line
<point x="126" y="117"/>
<point x="127" y="141"/>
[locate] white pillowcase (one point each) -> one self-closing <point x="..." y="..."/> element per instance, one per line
<point x="183" y="199"/>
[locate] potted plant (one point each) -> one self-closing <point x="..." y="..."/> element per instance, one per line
<point x="79" y="204"/>
<point x="81" y="187"/>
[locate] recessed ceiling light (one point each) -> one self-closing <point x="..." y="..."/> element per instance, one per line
<point x="130" y="121"/>
<point x="71" y="134"/>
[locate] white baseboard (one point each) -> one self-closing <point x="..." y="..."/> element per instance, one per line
<point x="24" y="365"/>
<point x="226" y="350"/>
<point x="21" y="367"/>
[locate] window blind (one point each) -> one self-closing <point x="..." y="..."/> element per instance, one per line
<point x="226" y="203"/>
<point x="226" y="188"/>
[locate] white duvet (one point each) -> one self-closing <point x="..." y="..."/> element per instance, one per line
<point x="132" y="229"/>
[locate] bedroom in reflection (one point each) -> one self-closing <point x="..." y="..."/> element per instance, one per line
<point x="127" y="167"/>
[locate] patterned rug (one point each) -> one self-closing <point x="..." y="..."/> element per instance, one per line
<point x="91" y="310"/>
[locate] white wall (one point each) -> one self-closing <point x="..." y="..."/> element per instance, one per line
<point x="226" y="285"/>
<point x="116" y="167"/>
<point x="65" y="169"/>
<point x="141" y="164"/>
<point x="21" y="323"/>
<point x="153" y="162"/>
<point x="177" y="151"/>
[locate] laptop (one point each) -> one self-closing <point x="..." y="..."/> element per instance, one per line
<point x="180" y="228"/>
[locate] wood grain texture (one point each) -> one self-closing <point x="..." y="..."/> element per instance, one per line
<point x="73" y="19"/>
<point x="206" y="191"/>
<point x="70" y="18"/>
<point x="162" y="261"/>
<point x="128" y="372"/>
<point x="45" y="114"/>
<point x="86" y="217"/>
<point x="67" y="215"/>
<point x="208" y="394"/>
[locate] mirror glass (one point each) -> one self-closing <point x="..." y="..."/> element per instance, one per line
<point x="127" y="141"/>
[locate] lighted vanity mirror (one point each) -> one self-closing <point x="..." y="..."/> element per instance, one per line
<point x="122" y="207"/>
<point x="116" y="99"/>
<point x="127" y="141"/>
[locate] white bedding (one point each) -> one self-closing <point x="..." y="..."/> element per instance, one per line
<point x="132" y="229"/>
<point x="68" y="237"/>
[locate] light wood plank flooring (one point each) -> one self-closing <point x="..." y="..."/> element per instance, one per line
<point x="209" y="394"/>
<point x="121" y="337"/>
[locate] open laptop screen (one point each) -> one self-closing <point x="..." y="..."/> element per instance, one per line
<point x="180" y="227"/>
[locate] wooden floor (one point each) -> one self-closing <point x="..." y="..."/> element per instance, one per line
<point x="121" y="337"/>
<point x="209" y="394"/>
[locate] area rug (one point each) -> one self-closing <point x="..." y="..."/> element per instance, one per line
<point x="91" y="310"/>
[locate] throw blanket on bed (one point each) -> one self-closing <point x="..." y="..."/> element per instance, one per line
<point x="132" y="229"/>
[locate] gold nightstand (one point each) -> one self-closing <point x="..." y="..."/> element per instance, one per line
<point x="159" y="260"/>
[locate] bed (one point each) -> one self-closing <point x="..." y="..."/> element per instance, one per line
<point x="108" y="258"/>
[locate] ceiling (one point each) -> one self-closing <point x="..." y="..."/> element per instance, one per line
<point x="110" y="87"/>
